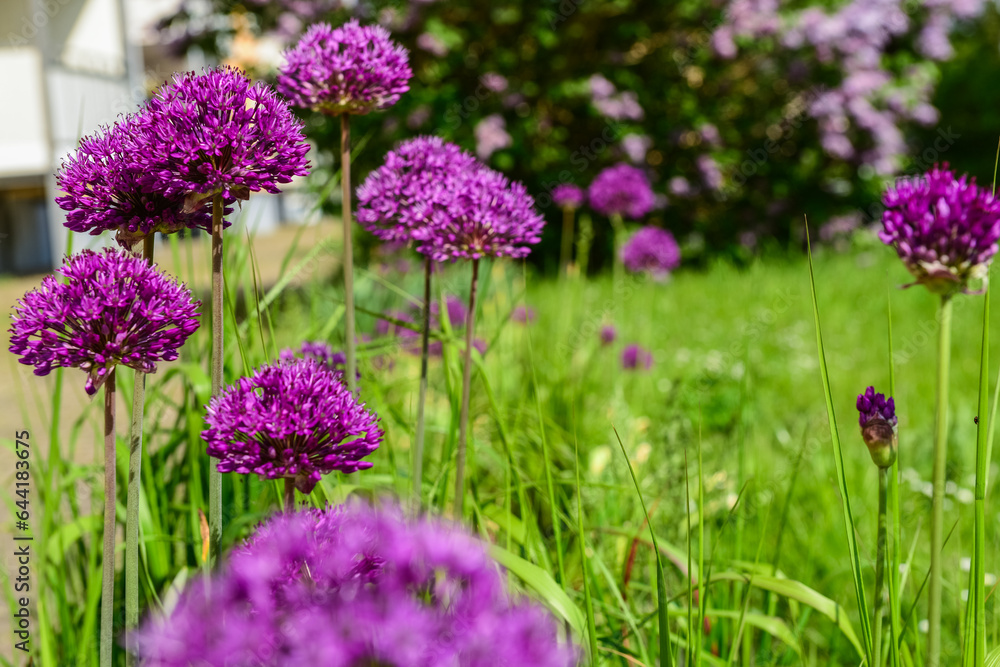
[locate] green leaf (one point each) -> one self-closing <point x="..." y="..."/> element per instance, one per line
<point x="545" y="586"/>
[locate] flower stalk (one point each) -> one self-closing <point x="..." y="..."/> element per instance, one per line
<point x="134" y="487"/>
<point x="345" y="181"/>
<point x="463" y="424"/>
<point x="566" y="252"/>
<point x="418" y="439"/>
<point x="214" y="476"/>
<point x="108" y="553"/>
<point x="880" y="560"/>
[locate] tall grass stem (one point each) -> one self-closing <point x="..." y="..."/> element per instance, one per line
<point x="566" y="253"/>
<point x="880" y="555"/>
<point x="418" y="438"/>
<point x="463" y="422"/>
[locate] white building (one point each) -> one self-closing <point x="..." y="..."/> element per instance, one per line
<point x="67" y="67"/>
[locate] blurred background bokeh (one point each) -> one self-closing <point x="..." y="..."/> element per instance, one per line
<point x="746" y="114"/>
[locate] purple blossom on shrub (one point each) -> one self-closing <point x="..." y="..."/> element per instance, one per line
<point x="396" y="200"/>
<point x="351" y="69"/>
<point x="621" y="190"/>
<point x="113" y="308"/>
<point x="944" y="227"/>
<point x="215" y="132"/>
<point x="294" y="420"/>
<point x="635" y="357"/>
<point x="486" y="216"/>
<point x="104" y="193"/>
<point x="491" y="135"/>
<point x="651" y="249"/>
<point x="608" y="334"/>
<point x="567" y="195"/>
<point x="350" y="586"/>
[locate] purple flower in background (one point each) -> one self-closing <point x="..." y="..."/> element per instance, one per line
<point x="113" y="308"/>
<point x="635" y="357"/>
<point x="432" y="44"/>
<point x="491" y="136"/>
<point x="608" y="334"/>
<point x="396" y="200"/>
<point x="351" y="69"/>
<point x="636" y="146"/>
<point x="710" y="172"/>
<point x="215" y="132"/>
<point x="494" y="82"/>
<point x="353" y="585"/>
<point x="294" y="420"/>
<point x="102" y="182"/>
<point x="600" y="87"/>
<point x="318" y="351"/>
<point x="944" y="227"/>
<point x="487" y="216"/>
<point x="524" y="315"/>
<point x="567" y="195"/>
<point x="680" y="187"/>
<point x="621" y="190"/>
<point x="877" y="416"/>
<point x="457" y="312"/>
<point x="651" y="249"/>
<point x="623" y="106"/>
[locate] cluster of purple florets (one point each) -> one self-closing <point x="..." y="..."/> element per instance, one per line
<point x="944" y="227"/>
<point x="621" y="190"/>
<point x="446" y="202"/>
<point x="350" y="69"/>
<point x="112" y="308"/>
<point x="872" y="405"/>
<point x="653" y="250"/>
<point x="294" y="420"/>
<point x="354" y="586"/>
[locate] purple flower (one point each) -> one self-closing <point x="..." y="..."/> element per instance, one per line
<point x="634" y="357"/>
<point x="608" y="334"/>
<point x="945" y="228"/>
<point x="396" y="200"/>
<point x="351" y="586"/>
<point x="524" y="314"/>
<point x="352" y="69"/>
<point x="216" y="132"/>
<point x="294" y="420"/>
<point x="491" y="135"/>
<point x="621" y="190"/>
<point x="486" y="216"/>
<point x="457" y="312"/>
<point x="877" y="416"/>
<point x="636" y="146"/>
<point x="102" y="182"/>
<point x="567" y="195"/>
<point x="318" y="351"/>
<point x="113" y="308"/>
<point x="651" y="249"/>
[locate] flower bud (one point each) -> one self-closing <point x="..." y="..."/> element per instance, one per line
<point x="877" y="417"/>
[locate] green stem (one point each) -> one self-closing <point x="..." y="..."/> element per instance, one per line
<point x="108" y="553"/>
<point x="418" y="439"/>
<point x="566" y="254"/>
<point x="289" y="495"/>
<point x="214" y="476"/>
<point x="345" y="182"/>
<point x="619" y="237"/>
<point x="134" y="486"/>
<point x="880" y="555"/>
<point x="978" y="589"/>
<point x="937" y="501"/>
<point x="463" y="423"/>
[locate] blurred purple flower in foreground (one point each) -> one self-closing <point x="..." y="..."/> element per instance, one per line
<point x="944" y="227"/>
<point x="350" y="69"/>
<point x="621" y="190"/>
<point x="524" y="314"/>
<point x="635" y="357"/>
<point x="294" y="420"/>
<point x="113" y="308"/>
<point x="651" y="249"/>
<point x="351" y="586"/>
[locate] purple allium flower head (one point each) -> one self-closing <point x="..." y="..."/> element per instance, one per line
<point x="457" y="312"/>
<point x="351" y="69"/>
<point x="215" y="132"/>
<point x="567" y="195"/>
<point x="608" y="334"/>
<point x="294" y="420"/>
<point x="877" y="416"/>
<point x="524" y="314"/>
<point x="621" y="190"/>
<point x="102" y="182"/>
<point x="396" y="200"/>
<point x="113" y="308"/>
<point x="486" y="216"/>
<point x="351" y="586"/>
<point x="491" y="136"/>
<point x="319" y="351"/>
<point x="634" y="357"/>
<point x="875" y="406"/>
<point x="944" y="227"/>
<point x="651" y="249"/>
